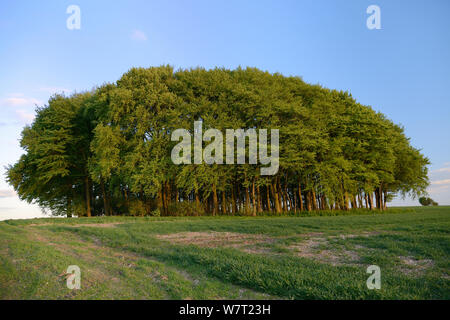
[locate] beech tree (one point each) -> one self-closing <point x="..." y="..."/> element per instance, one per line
<point x="108" y="151"/>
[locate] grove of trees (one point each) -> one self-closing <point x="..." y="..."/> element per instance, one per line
<point x="108" y="151"/>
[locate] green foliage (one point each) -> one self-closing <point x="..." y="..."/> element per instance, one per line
<point x="427" y="201"/>
<point x="185" y="209"/>
<point x="108" y="151"/>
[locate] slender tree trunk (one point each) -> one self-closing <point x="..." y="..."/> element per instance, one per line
<point x="105" y="198"/>
<point x="278" y="191"/>
<point x="163" y="198"/>
<point x="168" y="196"/>
<point x="253" y="198"/>
<point x="197" y="199"/>
<point x="247" y="201"/>
<point x="314" y="199"/>
<point x="371" y="201"/>
<point x="224" y="203"/>
<point x="324" y="202"/>
<point x="300" y="200"/>
<point x="377" y="199"/>
<point x="215" y="201"/>
<point x="275" y="197"/>
<point x="233" y="198"/>
<point x="238" y="197"/>
<point x="360" y="200"/>
<point x="286" y="197"/>
<point x="269" y="207"/>
<point x="160" y="201"/>
<point x="346" y="200"/>
<point x="295" y="200"/>
<point x="308" y="201"/>
<point x="380" y="197"/>
<point x="353" y="201"/>
<point x="258" y="196"/>
<point x="88" y="196"/>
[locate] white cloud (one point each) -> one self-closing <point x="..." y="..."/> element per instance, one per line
<point x="19" y="101"/>
<point x="438" y="190"/>
<point x="441" y="182"/>
<point x="445" y="169"/>
<point x="138" y="35"/>
<point x="5" y="193"/>
<point x="53" y="90"/>
<point x="25" y="116"/>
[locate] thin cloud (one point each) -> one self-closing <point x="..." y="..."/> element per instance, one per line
<point x="138" y="35"/>
<point x="438" y="189"/>
<point x="442" y="170"/>
<point x="53" y="90"/>
<point x="25" y="116"/>
<point x="441" y="182"/>
<point x="18" y="100"/>
<point x="5" y="193"/>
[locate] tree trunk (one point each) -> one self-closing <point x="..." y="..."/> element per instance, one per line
<point x="295" y="200"/>
<point x="168" y="196"/>
<point x="258" y="196"/>
<point x="346" y="201"/>
<point x="324" y="202"/>
<point x="224" y="203"/>
<point x="308" y="201"/>
<point x="247" y="201"/>
<point x="105" y="198"/>
<point x="163" y="198"/>
<point x="160" y="201"/>
<point x="278" y="191"/>
<point x="238" y="197"/>
<point x="88" y="196"/>
<point x="275" y="197"/>
<point x="353" y="201"/>
<point x="287" y="201"/>
<point x="300" y="200"/>
<point x="371" y="201"/>
<point x="253" y="198"/>
<point x="215" y="201"/>
<point x="197" y="199"/>
<point x="380" y="197"/>
<point x="314" y="199"/>
<point x="360" y="200"/>
<point x="233" y="198"/>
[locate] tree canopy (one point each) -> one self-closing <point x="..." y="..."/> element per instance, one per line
<point x="108" y="151"/>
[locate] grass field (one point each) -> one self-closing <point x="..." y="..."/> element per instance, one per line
<point x="323" y="257"/>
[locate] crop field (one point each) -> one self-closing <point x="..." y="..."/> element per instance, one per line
<point x="265" y="257"/>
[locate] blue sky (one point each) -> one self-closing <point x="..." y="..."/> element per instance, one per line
<point x="402" y="70"/>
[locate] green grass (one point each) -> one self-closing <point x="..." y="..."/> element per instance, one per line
<point x="267" y="257"/>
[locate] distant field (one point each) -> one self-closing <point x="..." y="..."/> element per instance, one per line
<point x="321" y="257"/>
